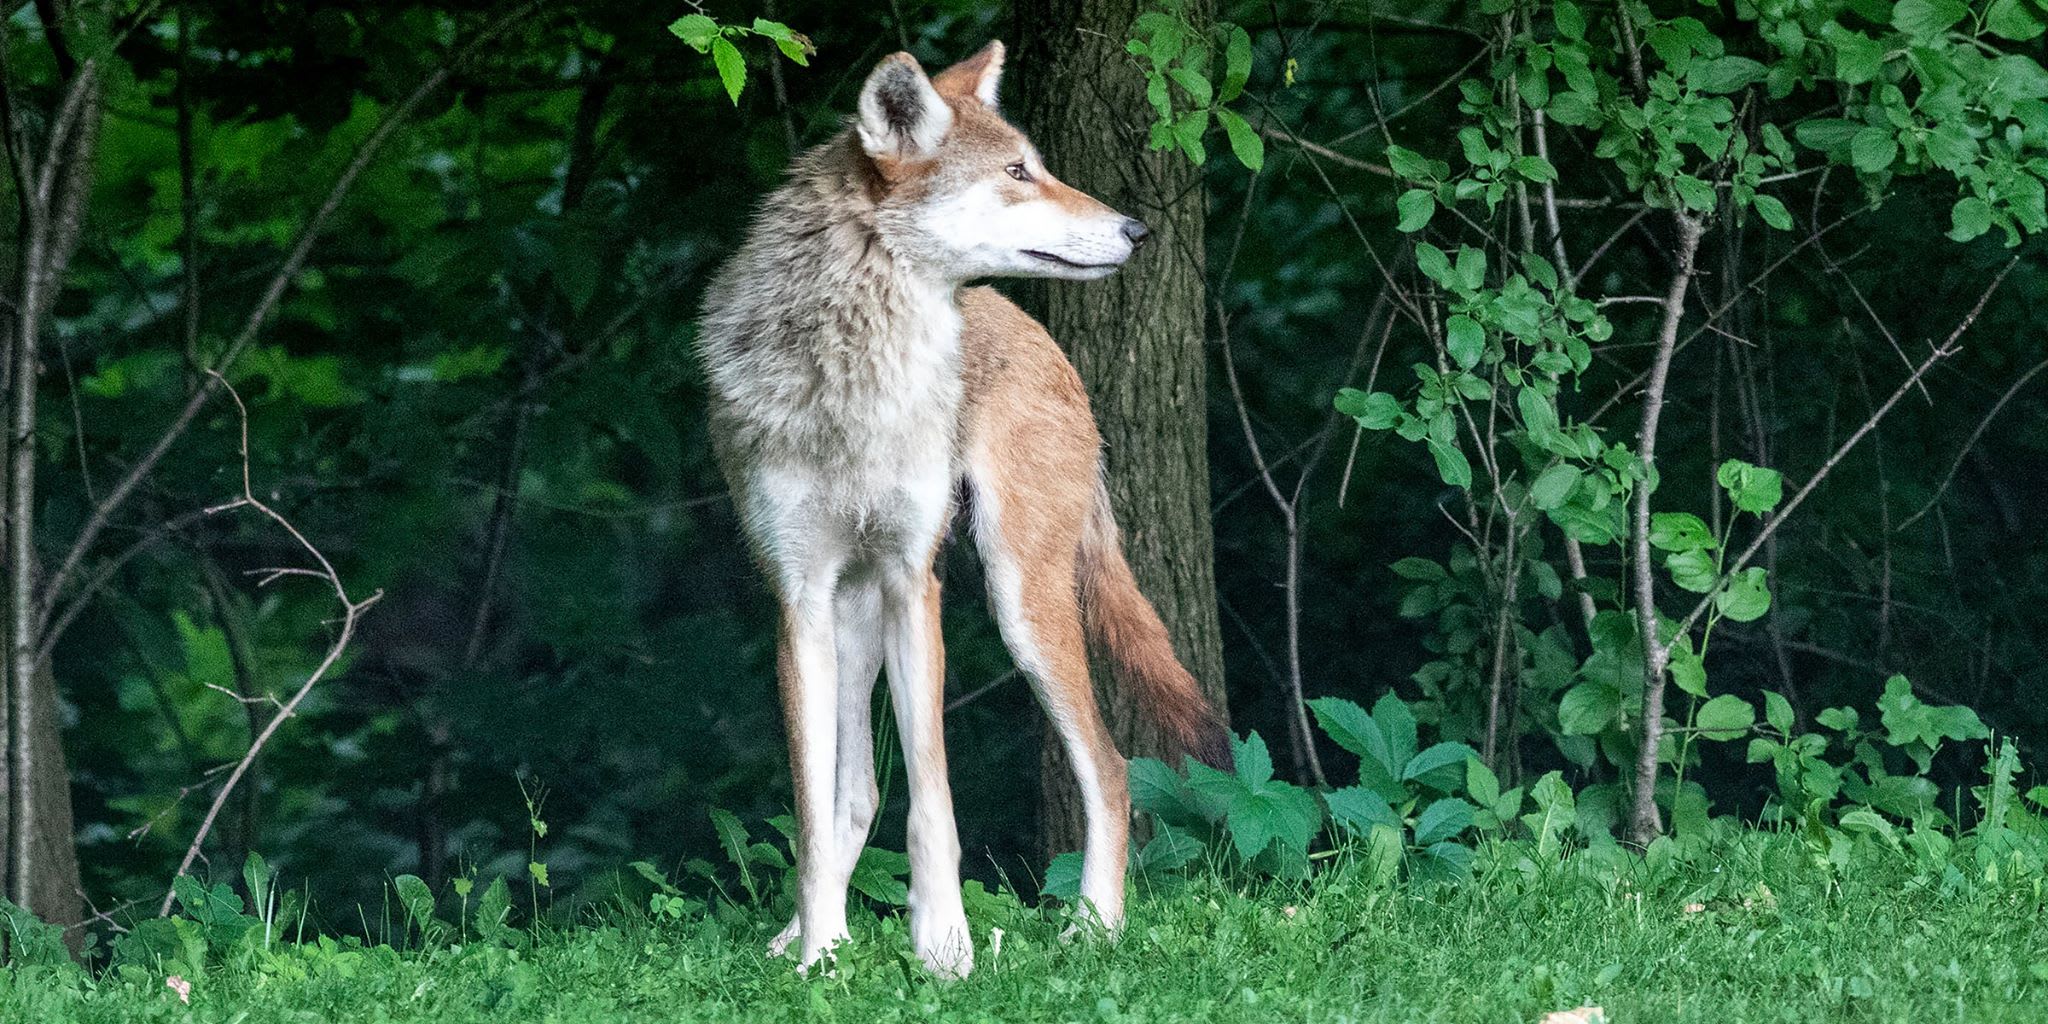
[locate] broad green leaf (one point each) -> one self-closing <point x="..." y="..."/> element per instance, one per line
<point x="1753" y="489"/>
<point x="695" y="29"/>
<point x="1724" y="74"/>
<point x="1778" y="711"/>
<point x="1725" y="717"/>
<point x="1375" y="411"/>
<point x="1554" y="485"/>
<point x="1571" y="22"/>
<point x="1358" y="809"/>
<point x="1827" y="133"/>
<point x="1535" y="168"/>
<point x="1688" y="672"/>
<point x="1415" y="206"/>
<point x="1924" y="19"/>
<point x="878" y="874"/>
<point x="1465" y="340"/>
<point x="1680" y="531"/>
<point x="1245" y="143"/>
<point x="1253" y="762"/>
<point x="1693" y="570"/>
<point x="1451" y="463"/>
<point x="1442" y="820"/>
<point x="1237" y="64"/>
<point x="1873" y="149"/>
<point x="2017" y="20"/>
<point x="1063" y="878"/>
<point x="1441" y="767"/>
<point x="1588" y="709"/>
<point x="1421" y="570"/>
<point x="1969" y="218"/>
<point x="1773" y="212"/>
<point x="1747" y="596"/>
<point x="732" y="68"/>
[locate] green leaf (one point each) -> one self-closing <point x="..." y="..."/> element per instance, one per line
<point x="1194" y="83"/>
<point x="1416" y="206"/>
<point x="1253" y="762"/>
<point x="732" y="68"/>
<point x="1724" y="74"/>
<point x="1433" y="263"/>
<point x="1554" y="486"/>
<point x="1419" y="569"/>
<point x="1858" y="58"/>
<point x="1375" y="411"/>
<point x="1688" y="672"/>
<point x="1535" y="168"/>
<point x="1237" y="64"/>
<point x="1471" y="267"/>
<point x="878" y="874"/>
<point x="1773" y="212"/>
<point x="2017" y="20"/>
<point x="1441" y="767"/>
<point x="418" y="901"/>
<point x="774" y="30"/>
<point x="1725" y="717"/>
<point x="1923" y="19"/>
<point x="1358" y="809"/>
<point x="1409" y="164"/>
<point x="1588" y="709"/>
<point x="695" y="29"/>
<point x="1778" y="711"/>
<point x="1693" y="569"/>
<point x="1245" y="143"/>
<point x="1279" y="813"/>
<point x="1746" y="598"/>
<point x="1873" y="149"/>
<point x="1826" y="134"/>
<point x="1351" y="727"/>
<point x="1571" y="22"/>
<point x="1465" y="340"/>
<point x="1442" y="820"/>
<point x="1063" y="878"/>
<point x="1753" y="489"/>
<point x="1680" y="531"/>
<point x="1451" y="463"/>
<point x="1969" y="218"/>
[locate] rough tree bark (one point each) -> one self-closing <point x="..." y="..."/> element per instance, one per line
<point x="52" y="177"/>
<point x="1137" y="339"/>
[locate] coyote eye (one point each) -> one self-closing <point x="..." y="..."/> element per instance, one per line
<point x="1018" y="172"/>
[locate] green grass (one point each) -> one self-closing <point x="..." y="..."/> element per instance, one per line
<point x="1780" y="938"/>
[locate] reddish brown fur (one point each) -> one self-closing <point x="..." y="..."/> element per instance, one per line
<point x="1026" y="409"/>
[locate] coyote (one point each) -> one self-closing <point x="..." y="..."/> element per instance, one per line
<point x="856" y="386"/>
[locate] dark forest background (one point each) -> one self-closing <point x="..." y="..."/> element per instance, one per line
<point x="477" y="395"/>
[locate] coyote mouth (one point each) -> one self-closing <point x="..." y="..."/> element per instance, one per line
<point x="1064" y="262"/>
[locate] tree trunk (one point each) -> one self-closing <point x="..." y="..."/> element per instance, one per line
<point x="40" y="857"/>
<point x="1137" y="339"/>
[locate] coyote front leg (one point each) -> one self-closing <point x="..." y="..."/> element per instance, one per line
<point x="857" y="621"/>
<point x="916" y="661"/>
<point x="808" y="672"/>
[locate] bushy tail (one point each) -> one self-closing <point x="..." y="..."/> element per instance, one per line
<point x="1128" y="629"/>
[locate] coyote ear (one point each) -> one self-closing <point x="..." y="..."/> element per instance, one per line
<point x="901" y="115"/>
<point x="976" y="76"/>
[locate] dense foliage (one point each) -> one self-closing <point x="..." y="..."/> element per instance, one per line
<point x="1532" y="322"/>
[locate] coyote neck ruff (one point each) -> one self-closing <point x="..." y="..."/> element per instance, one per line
<point x="834" y="360"/>
<point x="853" y="384"/>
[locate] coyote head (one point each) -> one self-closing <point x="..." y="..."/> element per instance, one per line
<point x="963" y="192"/>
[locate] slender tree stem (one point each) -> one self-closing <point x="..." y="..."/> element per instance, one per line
<point x="1644" y="822"/>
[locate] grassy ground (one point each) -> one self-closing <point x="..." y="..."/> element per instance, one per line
<point x="1756" y="931"/>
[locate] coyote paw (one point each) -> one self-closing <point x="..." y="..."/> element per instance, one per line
<point x="947" y="950"/>
<point x="779" y="945"/>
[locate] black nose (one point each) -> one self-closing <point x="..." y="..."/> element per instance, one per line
<point x="1136" y="231"/>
